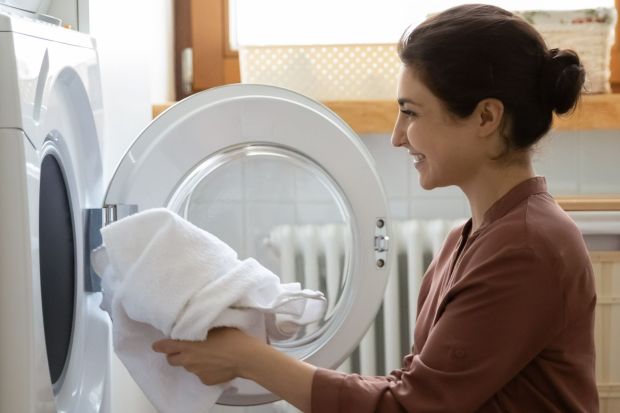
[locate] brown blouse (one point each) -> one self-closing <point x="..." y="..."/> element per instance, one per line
<point x="505" y="322"/>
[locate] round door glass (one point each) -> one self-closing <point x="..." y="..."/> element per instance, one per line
<point x="281" y="208"/>
<point x="57" y="261"/>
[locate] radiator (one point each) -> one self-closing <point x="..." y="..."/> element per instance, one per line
<point x="314" y="256"/>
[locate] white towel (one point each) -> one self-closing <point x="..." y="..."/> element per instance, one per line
<point x="164" y="277"/>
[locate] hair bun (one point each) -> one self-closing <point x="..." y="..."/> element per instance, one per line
<point x="562" y="79"/>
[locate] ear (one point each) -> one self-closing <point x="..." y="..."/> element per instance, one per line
<point x="490" y="113"/>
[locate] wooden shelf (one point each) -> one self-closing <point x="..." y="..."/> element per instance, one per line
<point x="594" y="112"/>
<point x="597" y="203"/>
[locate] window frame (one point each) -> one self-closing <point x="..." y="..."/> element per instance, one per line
<point x="215" y="63"/>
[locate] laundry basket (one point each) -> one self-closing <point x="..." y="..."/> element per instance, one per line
<point x="589" y="32"/>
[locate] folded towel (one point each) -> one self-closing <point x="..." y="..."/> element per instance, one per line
<point x="164" y="277"/>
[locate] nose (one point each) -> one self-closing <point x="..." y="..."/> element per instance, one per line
<point x="399" y="136"/>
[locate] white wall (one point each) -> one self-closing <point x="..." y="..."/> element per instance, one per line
<point x="135" y="43"/>
<point x="65" y="10"/>
<point x="134" y="40"/>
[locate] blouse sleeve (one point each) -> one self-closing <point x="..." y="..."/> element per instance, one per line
<point x="493" y="321"/>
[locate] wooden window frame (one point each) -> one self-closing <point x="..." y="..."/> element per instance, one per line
<point x="216" y="64"/>
<point x="203" y="26"/>
<point x="614" y="79"/>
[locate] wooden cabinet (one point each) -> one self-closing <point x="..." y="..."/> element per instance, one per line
<point x="606" y="265"/>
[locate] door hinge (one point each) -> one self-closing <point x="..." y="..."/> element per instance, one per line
<point x="97" y="218"/>
<point x="381" y="243"/>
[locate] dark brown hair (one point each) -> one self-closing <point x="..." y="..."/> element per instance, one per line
<point x="472" y="52"/>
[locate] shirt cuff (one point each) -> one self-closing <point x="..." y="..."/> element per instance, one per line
<point x="326" y="385"/>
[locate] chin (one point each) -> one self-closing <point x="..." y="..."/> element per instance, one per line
<point x="428" y="185"/>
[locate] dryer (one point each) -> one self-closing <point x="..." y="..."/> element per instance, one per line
<point x="54" y="346"/>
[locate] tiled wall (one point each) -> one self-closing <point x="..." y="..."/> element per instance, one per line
<point x="582" y="162"/>
<point x="243" y="201"/>
<point x="573" y="162"/>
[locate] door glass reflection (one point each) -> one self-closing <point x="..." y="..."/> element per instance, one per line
<point x="279" y="207"/>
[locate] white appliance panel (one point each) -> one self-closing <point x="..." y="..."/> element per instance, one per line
<point x="50" y="116"/>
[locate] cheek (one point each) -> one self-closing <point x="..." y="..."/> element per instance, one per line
<point x="426" y="138"/>
<point x="415" y="134"/>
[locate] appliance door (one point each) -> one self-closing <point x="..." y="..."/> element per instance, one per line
<point x="76" y="330"/>
<point x="281" y="178"/>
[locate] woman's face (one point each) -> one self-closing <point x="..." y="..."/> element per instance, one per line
<point x="445" y="149"/>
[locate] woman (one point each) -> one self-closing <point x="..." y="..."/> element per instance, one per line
<point x="506" y="309"/>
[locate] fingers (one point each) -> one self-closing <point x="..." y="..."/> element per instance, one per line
<point x="178" y="352"/>
<point x="175" y="359"/>
<point x="169" y="346"/>
<point x="192" y="357"/>
<point x="172" y="349"/>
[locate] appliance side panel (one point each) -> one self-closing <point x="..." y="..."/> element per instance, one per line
<point x="10" y="114"/>
<point x="16" y="263"/>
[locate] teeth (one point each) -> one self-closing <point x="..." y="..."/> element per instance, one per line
<point x="418" y="157"/>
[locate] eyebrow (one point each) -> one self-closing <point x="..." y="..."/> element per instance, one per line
<point x="402" y="101"/>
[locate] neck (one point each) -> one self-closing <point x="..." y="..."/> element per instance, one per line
<point x="490" y="184"/>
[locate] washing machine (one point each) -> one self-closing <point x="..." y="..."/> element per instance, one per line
<point x="54" y="339"/>
<point x="269" y="171"/>
<point x="281" y="178"/>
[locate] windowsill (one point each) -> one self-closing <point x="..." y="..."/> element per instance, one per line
<point x="595" y="112"/>
<point x="593" y="203"/>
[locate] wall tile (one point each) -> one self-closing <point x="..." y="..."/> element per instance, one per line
<point x="438" y="207"/>
<point x="557" y="158"/>
<point x="224" y="219"/>
<point x="260" y="219"/>
<point x="269" y="179"/>
<point x="399" y="208"/>
<point x="223" y="184"/>
<point x="318" y="213"/>
<point x="310" y="188"/>
<point x="599" y="154"/>
<point x="392" y="164"/>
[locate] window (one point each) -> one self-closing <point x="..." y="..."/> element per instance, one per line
<point x="294" y="22"/>
<point x="204" y="27"/>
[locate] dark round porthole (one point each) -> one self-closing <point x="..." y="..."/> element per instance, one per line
<point x="57" y="259"/>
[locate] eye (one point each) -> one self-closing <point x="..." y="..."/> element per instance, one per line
<point x="408" y="113"/>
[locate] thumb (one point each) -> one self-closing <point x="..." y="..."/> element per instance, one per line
<point x="167" y="346"/>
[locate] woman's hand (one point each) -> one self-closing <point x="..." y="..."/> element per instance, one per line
<point x="216" y="360"/>
<point x="228" y="353"/>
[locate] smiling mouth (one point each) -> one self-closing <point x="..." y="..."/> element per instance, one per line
<point x="417" y="158"/>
